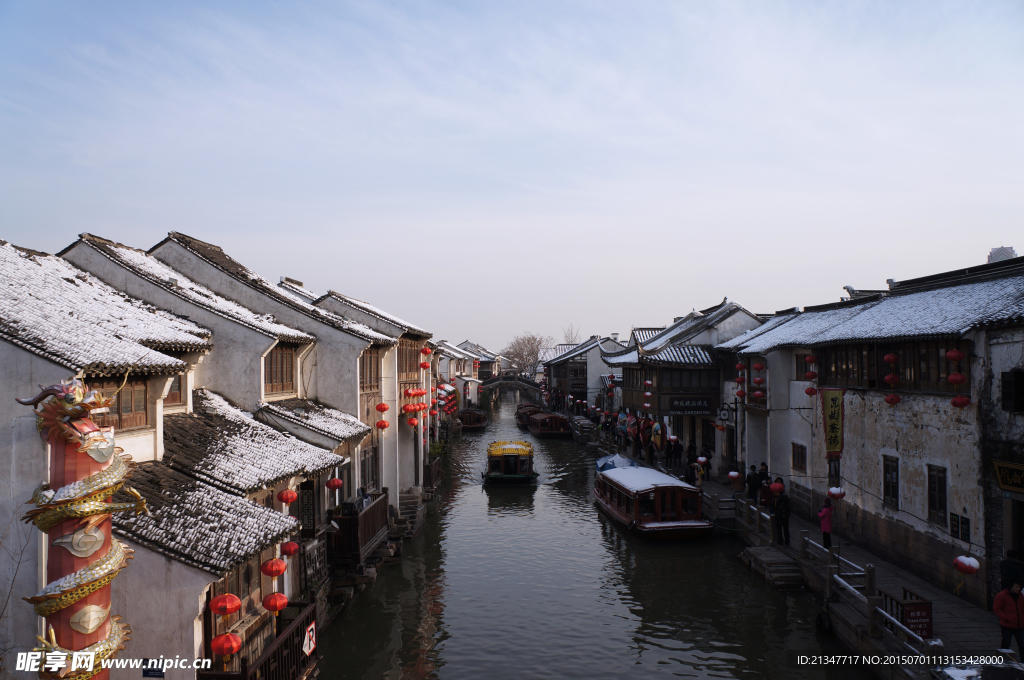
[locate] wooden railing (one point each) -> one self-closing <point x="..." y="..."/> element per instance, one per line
<point x="283" y="658"/>
<point x="359" y="535"/>
<point x="432" y="473"/>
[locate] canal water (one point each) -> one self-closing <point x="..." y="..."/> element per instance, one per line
<point x="534" y="583"/>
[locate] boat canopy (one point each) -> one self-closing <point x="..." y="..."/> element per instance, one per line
<point x="641" y="479"/>
<point x="616" y="460"/>
<point x="510" y="448"/>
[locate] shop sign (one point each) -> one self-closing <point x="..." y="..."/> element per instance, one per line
<point x="688" y="405"/>
<point x="1009" y="476"/>
<point x="832" y="415"/>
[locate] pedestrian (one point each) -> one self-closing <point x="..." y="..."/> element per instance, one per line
<point x="738" y="485"/>
<point x="763" y="473"/>
<point x="781" y="515"/>
<point x="825" y="515"/>
<point x="753" y="482"/>
<point x="690" y="474"/>
<point x="700" y="475"/>
<point x="1009" y="607"/>
<point x="691" y="455"/>
<point x="766" y="496"/>
<point x="1011" y="569"/>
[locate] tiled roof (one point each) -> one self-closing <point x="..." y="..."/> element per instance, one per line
<point x="701" y="355"/>
<point x="196" y="524"/>
<point x="225" y="447"/>
<point x="630" y="357"/>
<point x="319" y="418"/>
<point x="744" y="338"/>
<point x="175" y="282"/>
<point x="301" y="291"/>
<point x="218" y="258"/>
<point x="484" y="354"/>
<point x="564" y="347"/>
<point x="451" y="350"/>
<point x="642" y="335"/>
<point x="53" y="309"/>
<point x="373" y="311"/>
<point x="693" y="324"/>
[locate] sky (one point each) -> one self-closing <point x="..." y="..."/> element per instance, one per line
<point x="486" y="169"/>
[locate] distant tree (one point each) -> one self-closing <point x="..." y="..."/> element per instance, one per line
<point x="524" y="351"/>
<point x="571" y="335"/>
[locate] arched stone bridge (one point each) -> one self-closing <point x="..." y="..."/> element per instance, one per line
<point x="500" y="382"/>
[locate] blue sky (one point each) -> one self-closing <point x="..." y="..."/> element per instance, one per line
<point x="539" y="163"/>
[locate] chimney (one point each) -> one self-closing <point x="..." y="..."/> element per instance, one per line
<point x="614" y="336"/>
<point x="285" y="279"/>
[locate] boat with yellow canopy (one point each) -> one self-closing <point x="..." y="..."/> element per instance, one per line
<point x="510" y="462"/>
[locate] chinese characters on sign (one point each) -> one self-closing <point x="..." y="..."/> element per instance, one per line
<point x="692" y="406"/>
<point x="54" y="662"/>
<point x="832" y="417"/>
<point x="1010" y="477"/>
<point x="917" y="616"/>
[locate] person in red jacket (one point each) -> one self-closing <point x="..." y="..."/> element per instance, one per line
<point x="1009" y="607"/>
<point x="825" y="515"/>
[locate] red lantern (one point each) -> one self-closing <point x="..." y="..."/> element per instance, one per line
<point x="758" y="366"/>
<point x="966" y="565"/>
<point x="647" y="394"/>
<point x="758" y="394"/>
<point x="955" y="355"/>
<point x="734" y="475"/>
<point x="275" y="602"/>
<point x="647" y="406"/>
<point x="811" y="359"/>
<point x="426" y="351"/>
<point x="226" y="645"/>
<point x="960" y="401"/>
<point x="382" y="424"/>
<point x="891" y="379"/>
<point x="777" y="487"/>
<point x="287" y="496"/>
<point x="837" y="493"/>
<point x="274" y="567"/>
<point x="758" y="381"/>
<point x="648" y="383"/>
<point x="433" y="389"/>
<point x="407" y="392"/>
<point x="433" y="412"/>
<point x="413" y="422"/>
<point x="433" y="401"/>
<point x="225" y="605"/>
<point x="290" y="548"/>
<point x="740" y="380"/>
<point x="611" y="376"/>
<point x="892" y="399"/>
<point x="810" y="375"/>
<point x="424" y="365"/>
<point x="334" y="483"/>
<point x="740" y="367"/>
<point x="611" y="394"/>
<point x="741" y="393"/>
<point x="810" y="391"/>
<point x="381" y="408"/>
<point x="956" y="379"/>
<point x="607" y="413"/>
<point x="702" y="460"/>
<point x="891" y="359"/>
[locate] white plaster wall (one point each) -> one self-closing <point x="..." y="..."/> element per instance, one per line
<point x="338" y="307"/>
<point x="161" y="599"/>
<point x="389" y="442"/>
<point x="1005" y="352"/>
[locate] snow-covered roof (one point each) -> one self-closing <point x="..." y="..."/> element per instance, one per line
<point x="451" y="350"/>
<point x="225" y="447"/>
<point x="53" y="309"/>
<point x="640" y="478"/>
<point x="630" y="357"/>
<point x="642" y="335"/>
<point x="746" y="337"/>
<point x="564" y="347"/>
<point x="484" y="354"/>
<point x="373" y="311"/>
<point x="294" y="288"/>
<point x="545" y="355"/>
<point x="319" y="418"/>
<point x="196" y="524"/>
<point x="693" y="324"/>
<point x="284" y="295"/>
<point x="173" y="281"/>
<point x="701" y="355"/>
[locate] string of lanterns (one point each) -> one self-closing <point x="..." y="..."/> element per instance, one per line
<point x="740" y="379"/>
<point x="812" y="375"/>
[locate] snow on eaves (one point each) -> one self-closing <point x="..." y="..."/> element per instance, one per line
<point x="373" y="311"/>
<point x="630" y="357"/>
<point x="698" y="355"/>
<point x="156" y="272"/>
<point x="225" y="447"/>
<point x="218" y="258"/>
<point x="196" y="524"/>
<point x="746" y="337"/>
<point x="301" y="291"/>
<point x="317" y="417"/>
<point x="53" y="309"/>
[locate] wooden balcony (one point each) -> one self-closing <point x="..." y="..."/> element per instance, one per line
<point x="431" y="473"/>
<point x="282" y="658"/>
<point x="359" y="533"/>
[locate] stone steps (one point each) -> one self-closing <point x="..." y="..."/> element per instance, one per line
<point x="777" y="568"/>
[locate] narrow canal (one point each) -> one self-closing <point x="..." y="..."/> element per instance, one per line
<point x="535" y="583"/>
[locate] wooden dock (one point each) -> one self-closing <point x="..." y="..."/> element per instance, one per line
<point x="777" y="568"/>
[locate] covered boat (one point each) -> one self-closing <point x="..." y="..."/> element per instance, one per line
<point x="510" y="462"/>
<point x="650" y="503"/>
<point x="616" y="460"/>
<point x="473" y="419"/>
<point x="549" y="425"/>
<point x="524" y="412"/>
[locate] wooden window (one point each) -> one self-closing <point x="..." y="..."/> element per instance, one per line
<point x="369" y="370"/>
<point x="937" y="494"/>
<point x="408" y="359"/>
<point x="891" y="482"/>
<point x="921" y="366"/>
<point x="131" y="405"/>
<point x="1012" y="390"/>
<point x="174" y="393"/>
<point x="799" y="457"/>
<point x="801" y="366"/>
<point x="279" y="370"/>
<point x="834" y="472"/>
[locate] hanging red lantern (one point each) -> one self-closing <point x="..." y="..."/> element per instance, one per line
<point x="758" y="381"/>
<point x="407" y="392"/>
<point x="777" y="487"/>
<point x="424" y="365"/>
<point x="382" y="424"/>
<point x="433" y="401"/>
<point x="758" y="366"/>
<point x="955" y="355"/>
<point x="740" y="380"/>
<point x="611" y="394"/>
<point x="382" y="407"/>
<point x="836" y="493"/>
<point x="290" y="548"/>
<point x="433" y="389"/>
<point x="274" y="567"/>
<point x="701" y="460"/>
<point x="741" y="393"/>
<point x="810" y="375"/>
<point x="275" y="602"/>
<point x="811" y="359"/>
<point x="891" y="379"/>
<point x="648" y="383"/>
<point x="647" y="394"/>
<point x="406" y="408"/>
<point x="225" y="605"/>
<point x="647" y="406"/>
<point x="966" y="565"/>
<point x="892" y="399"/>
<point x="287" y="496"/>
<point x="810" y="391"/>
<point x="740" y="367"/>
<point x="413" y="422"/>
<point x="891" y="359"/>
<point x="607" y="413"/>
<point x="960" y="401"/>
<point x="334" y="483"/>
<point x="734" y="475"/>
<point x="226" y="645"/>
<point x="433" y="412"/>
<point x="758" y="394"/>
<point x="426" y="351"/>
<point x="956" y="379"/>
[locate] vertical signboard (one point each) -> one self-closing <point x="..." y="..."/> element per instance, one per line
<point x="832" y="417"/>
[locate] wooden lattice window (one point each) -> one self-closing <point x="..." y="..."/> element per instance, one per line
<point x="369" y="370"/>
<point x="279" y="370"/>
<point x="937" y="494"/>
<point x="174" y="394"/>
<point x="408" y="359"/>
<point x="891" y="482"/>
<point x="131" y="405"/>
<point x="799" y="457"/>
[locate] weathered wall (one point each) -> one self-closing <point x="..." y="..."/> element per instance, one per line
<point x="338" y="307"/>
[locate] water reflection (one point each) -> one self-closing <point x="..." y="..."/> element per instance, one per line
<point x="532" y="582"/>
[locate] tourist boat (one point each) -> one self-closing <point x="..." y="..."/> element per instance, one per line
<point x="651" y="504"/>
<point x="510" y="462"/>
<point x="549" y="425"/>
<point x="523" y="414"/>
<point x="473" y="419"/>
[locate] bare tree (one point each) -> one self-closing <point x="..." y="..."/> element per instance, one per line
<point x="524" y="351"/>
<point x="14" y="541"/>
<point x="571" y="335"/>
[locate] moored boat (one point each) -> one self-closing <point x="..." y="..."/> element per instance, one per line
<point x="523" y="414"/>
<point x="651" y="504"/>
<point x="473" y="419"/>
<point x="510" y="462"/>
<point x="549" y="425"/>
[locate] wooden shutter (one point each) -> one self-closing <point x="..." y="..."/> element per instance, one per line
<point x="1012" y="388"/>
